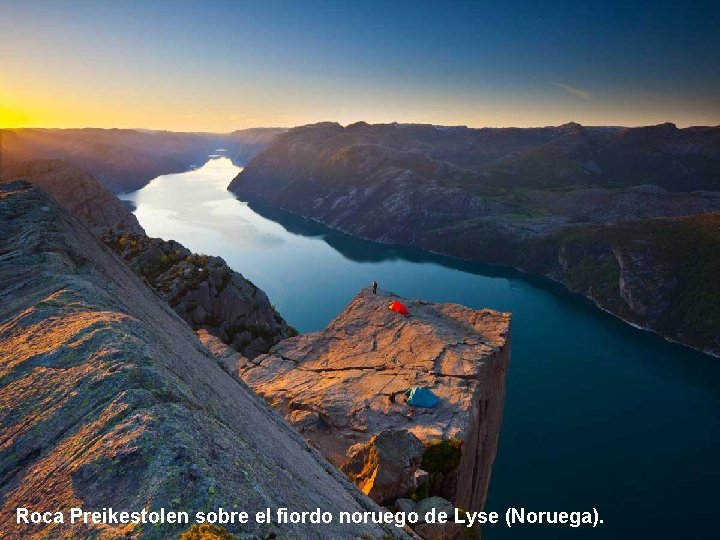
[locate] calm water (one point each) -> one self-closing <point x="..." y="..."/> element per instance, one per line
<point x="598" y="414"/>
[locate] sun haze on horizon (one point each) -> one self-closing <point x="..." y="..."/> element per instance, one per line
<point x="219" y="66"/>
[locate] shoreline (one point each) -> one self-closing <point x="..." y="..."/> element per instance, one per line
<point x="549" y="279"/>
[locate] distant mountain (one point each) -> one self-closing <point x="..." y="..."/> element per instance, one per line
<point x="244" y="144"/>
<point x="521" y="197"/>
<point x="126" y="159"/>
<point x="501" y="158"/>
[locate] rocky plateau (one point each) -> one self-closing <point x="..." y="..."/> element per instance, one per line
<point x="342" y="389"/>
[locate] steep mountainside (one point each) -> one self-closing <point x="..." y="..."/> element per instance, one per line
<point x="660" y="274"/>
<point x="107" y="399"/>
<point x="78" y="191"/>
<point x="519" y="197"/>
<point x="205" y="292"/>
<point x="483" y="160"/>
<point x="243" y="145"/>
<point x="126" y="159"/>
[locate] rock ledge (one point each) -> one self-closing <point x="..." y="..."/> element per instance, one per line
<point x="344" y="385"/>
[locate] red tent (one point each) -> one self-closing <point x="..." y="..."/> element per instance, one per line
<point x="399" y="308"/>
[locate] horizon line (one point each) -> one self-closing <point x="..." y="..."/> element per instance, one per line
<point x="206" y="132"/>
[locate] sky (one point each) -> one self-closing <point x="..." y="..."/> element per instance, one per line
<point x="220" y="66"/>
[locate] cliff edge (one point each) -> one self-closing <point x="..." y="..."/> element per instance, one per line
<point x="205" y="292"/>
<point x="107" y="399"/>
<point x="344" y="385"/>
<point x="78" y="191"/>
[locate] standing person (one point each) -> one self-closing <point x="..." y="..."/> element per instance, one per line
<point x="374" y="287"/>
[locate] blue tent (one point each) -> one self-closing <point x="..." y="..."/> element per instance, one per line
<point x="419" y="396"/>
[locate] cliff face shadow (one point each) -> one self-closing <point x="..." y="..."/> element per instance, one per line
<point x="367" y="251"/>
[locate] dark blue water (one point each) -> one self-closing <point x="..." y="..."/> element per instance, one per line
<point x="598" y="414"/>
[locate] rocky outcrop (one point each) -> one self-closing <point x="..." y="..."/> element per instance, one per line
<point x="205" y="292"/>
<point x="78" y="191"/>
<point x="384" y="468"/>
<point x="536" y="199"/>
<point x="107" y="399"/>
<point x="342" y="386"/>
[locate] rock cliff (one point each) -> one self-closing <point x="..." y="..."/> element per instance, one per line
<point x="205" y="292"/>
<point x="386" y="467"/>
<point x="107" y="399"/>
<point x="78" y="191"/>
<point x="342" y="386"/>
<point x="537" y="199"/>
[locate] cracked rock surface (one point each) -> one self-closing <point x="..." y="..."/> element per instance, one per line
<point x="341" y="386"/>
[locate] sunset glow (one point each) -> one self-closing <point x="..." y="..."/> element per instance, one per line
<point x="224" y="66"/>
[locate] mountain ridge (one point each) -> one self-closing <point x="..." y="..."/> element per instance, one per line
<point x="124" y="160"/>
<point x="521" y="198"/>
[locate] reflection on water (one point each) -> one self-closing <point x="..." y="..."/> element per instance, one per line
<point x="598" y="414"/>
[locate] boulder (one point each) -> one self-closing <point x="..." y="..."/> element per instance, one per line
<point x="405" y="505"/>
<point x="384" y="468"/>
<point x="436" y="531"/>
<point x="304" y="420"/>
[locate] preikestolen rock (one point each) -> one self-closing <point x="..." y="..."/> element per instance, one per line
<point x="353" y="375"/>
<point x="384" y="468"/>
